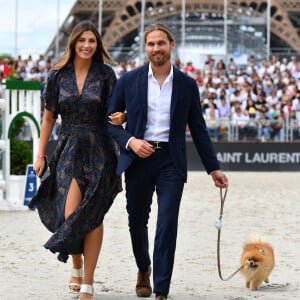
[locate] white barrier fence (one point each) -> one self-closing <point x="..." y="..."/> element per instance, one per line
<point x="20" y="100"/>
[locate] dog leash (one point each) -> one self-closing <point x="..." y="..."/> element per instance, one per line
<point x="218" y="225"/>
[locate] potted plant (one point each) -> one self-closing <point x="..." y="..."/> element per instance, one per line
<point x="20" y="152"/>
<point x="20" y="157"/>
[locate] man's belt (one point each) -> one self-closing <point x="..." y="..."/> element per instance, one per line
<point x="157" y="145"/>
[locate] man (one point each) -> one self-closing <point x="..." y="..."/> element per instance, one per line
<point x="160" y="102"/>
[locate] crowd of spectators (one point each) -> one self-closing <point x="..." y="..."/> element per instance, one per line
<point x="26" y="69"/>
<point x="259" y="101"/>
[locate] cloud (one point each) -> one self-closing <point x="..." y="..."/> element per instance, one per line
<point x="36" y="23"/>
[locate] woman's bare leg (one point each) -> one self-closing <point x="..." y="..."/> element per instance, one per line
<point x="73" y="199"/>
<point x="92" y="247"/>
<point x="92" y="242"/>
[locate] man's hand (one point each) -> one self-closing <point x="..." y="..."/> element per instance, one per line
<point x="142" y="148"/>
<point x="117" y="118"/>
<point x="219" y="179"/>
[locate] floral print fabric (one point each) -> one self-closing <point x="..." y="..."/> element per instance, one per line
<point x="84" y="152"/>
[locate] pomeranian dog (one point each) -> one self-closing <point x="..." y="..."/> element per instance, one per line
<point x="258" y="262"/>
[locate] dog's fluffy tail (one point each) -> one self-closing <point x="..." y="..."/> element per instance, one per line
<point x="257" y="238"/>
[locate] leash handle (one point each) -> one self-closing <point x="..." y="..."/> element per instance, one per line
<point x="222" y="198"/>
<point x="218" y="224"/>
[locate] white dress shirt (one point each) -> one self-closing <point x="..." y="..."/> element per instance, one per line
<point x="159" y="105"/>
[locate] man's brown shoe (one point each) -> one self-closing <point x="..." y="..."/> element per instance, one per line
<point x="143" y="287"/>
<point x="160" y="297"/>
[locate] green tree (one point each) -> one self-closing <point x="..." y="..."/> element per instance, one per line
<point x="20" y="152"/>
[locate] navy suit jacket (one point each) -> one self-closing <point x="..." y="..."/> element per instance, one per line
<point x="130" y="94"/>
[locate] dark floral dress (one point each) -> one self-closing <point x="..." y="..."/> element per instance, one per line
<point x="84" y="152"/>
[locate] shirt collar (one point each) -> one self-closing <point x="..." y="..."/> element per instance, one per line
<point x="169" y="77"/>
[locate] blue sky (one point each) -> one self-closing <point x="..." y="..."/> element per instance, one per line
<point x="36" y="25"/>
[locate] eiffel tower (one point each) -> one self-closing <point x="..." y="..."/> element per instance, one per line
<point x="204" y="22"/>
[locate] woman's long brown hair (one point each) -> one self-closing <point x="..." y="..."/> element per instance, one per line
<point x="100" y="55"/>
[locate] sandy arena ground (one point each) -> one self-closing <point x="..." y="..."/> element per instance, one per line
<point x="260" y="203"/>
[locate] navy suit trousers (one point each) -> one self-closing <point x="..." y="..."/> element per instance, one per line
<point x="143" y="178"/>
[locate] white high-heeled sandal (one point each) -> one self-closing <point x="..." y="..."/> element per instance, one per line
<point x="87" y="289"/>
<point x="74" y="287"/>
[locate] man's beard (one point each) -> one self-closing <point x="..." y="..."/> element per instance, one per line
<point x="160" y="62"/>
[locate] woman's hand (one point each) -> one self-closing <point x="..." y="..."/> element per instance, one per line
<point x="118" y="118"/>
<point x="39" y="166"/>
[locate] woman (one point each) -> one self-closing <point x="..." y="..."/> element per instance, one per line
<point x="211" y="115"/>
<point x="73" y="200"/>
